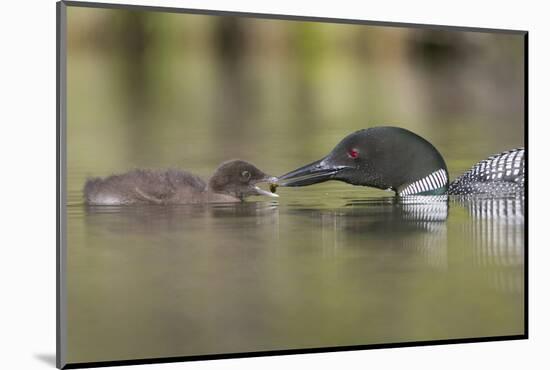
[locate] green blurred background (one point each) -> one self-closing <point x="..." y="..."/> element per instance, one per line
<point x="156" y="89"/>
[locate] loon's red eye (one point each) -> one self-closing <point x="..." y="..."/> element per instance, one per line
<point x="353" y="153"/>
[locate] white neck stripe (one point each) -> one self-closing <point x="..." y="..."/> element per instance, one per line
<point x="433" y="181"/>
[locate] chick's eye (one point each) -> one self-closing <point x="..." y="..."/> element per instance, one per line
<point x="353" y="153"/>
<point x="245" y="175"/>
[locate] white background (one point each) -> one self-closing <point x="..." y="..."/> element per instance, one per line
<point x="27" y="145"/>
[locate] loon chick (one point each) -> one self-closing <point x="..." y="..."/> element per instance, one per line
<point x="231" y="182"/>
<point x="396" y="159"/>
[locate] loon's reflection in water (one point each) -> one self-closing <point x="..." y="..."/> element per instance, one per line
<point x="411" y="225"/>
<point x="492" y="231"/>
<point x="497" y="232"/>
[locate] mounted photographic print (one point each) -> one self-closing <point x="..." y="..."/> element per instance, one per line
<point x="234" y="184"/>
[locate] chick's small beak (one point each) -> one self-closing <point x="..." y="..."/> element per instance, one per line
<point x="269" y="180"/>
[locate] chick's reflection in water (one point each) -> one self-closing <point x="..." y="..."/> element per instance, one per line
<point x="180" y="219"/>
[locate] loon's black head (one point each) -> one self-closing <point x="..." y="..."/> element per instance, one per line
<point x="239" y="178"/>
<point x="381" y="157"/>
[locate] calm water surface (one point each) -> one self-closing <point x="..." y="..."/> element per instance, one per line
<point x="317" y="268"/>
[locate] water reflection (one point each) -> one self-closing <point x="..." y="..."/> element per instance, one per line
<point x="148" y="219"/>
<point x="496" y="228"/>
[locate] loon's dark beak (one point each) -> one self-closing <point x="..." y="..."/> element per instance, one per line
<point x="313" y="173"/>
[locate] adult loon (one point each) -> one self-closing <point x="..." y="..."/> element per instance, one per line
<point x="231" y="182"/>
<point x="393" y="158"/>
